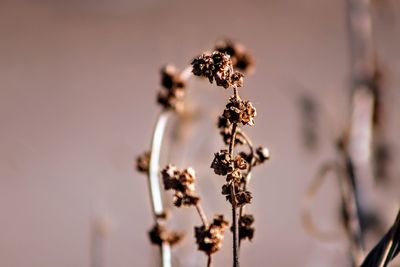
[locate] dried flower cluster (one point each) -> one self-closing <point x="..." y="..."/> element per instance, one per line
<point x="173" y="89"/>
<point x="217" y="66"/>
<point x="182" y="182"/>
<point x="239" y="111"/>
<point x="209" y="238"/>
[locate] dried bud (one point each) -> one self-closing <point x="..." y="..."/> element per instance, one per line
<point x="241" y="58"/>
<point x="159" y="234"/>
<point x="246" y="230"/>
<point x="171" y="78"/>
<point x="210" y="239"/>
<point x="262" y="154"/>
<point x="143" y="162"/>
<point x="183" y="184"/>
<point x="239" y="111"/>
<point x="222" y="163"/>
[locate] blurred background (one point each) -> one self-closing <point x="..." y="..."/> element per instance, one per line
<point x="78" y="81"/>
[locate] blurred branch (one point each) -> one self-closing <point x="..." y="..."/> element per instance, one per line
<point x="386" y="249"/>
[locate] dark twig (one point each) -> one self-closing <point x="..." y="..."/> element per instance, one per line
<point x="386" y="249"/>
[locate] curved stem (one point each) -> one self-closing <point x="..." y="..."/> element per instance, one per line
<point x="154" y="183"/>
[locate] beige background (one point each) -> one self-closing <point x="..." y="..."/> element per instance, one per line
<point x="77" y="86"/>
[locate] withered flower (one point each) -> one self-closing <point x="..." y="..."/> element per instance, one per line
<point x="182" y="182"/>
<point x="173" y="91"/>
<point x="222" y="163"/>
<point x="217" y="66"/>
<point x="239" y="111"/>
<point x="246" y="230"/>
<point x="241" y="58"/>
<point x="143" y="162"/>
<point x="209" y="239"/>
<point x="159" y="234"/>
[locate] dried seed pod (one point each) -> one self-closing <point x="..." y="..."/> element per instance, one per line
<point x="209" y="239"/>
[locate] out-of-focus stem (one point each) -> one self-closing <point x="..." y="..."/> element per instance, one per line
<point x="202" y="215"/>
<point x="154" y="183"/>
<point x="363" y="67"/>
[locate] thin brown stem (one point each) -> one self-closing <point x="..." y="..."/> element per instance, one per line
<point x="232" y="143"/>
<point x="235" y="210"/>
<point x="235" y="225"/>
<point x="209" y="260"/>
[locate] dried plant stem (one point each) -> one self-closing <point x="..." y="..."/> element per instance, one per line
<point x="235" y="213"/>
<point x="154" y="183"/>
<point x="235" y="225"/>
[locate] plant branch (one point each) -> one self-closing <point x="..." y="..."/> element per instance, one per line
<point x="235" y="215"/>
